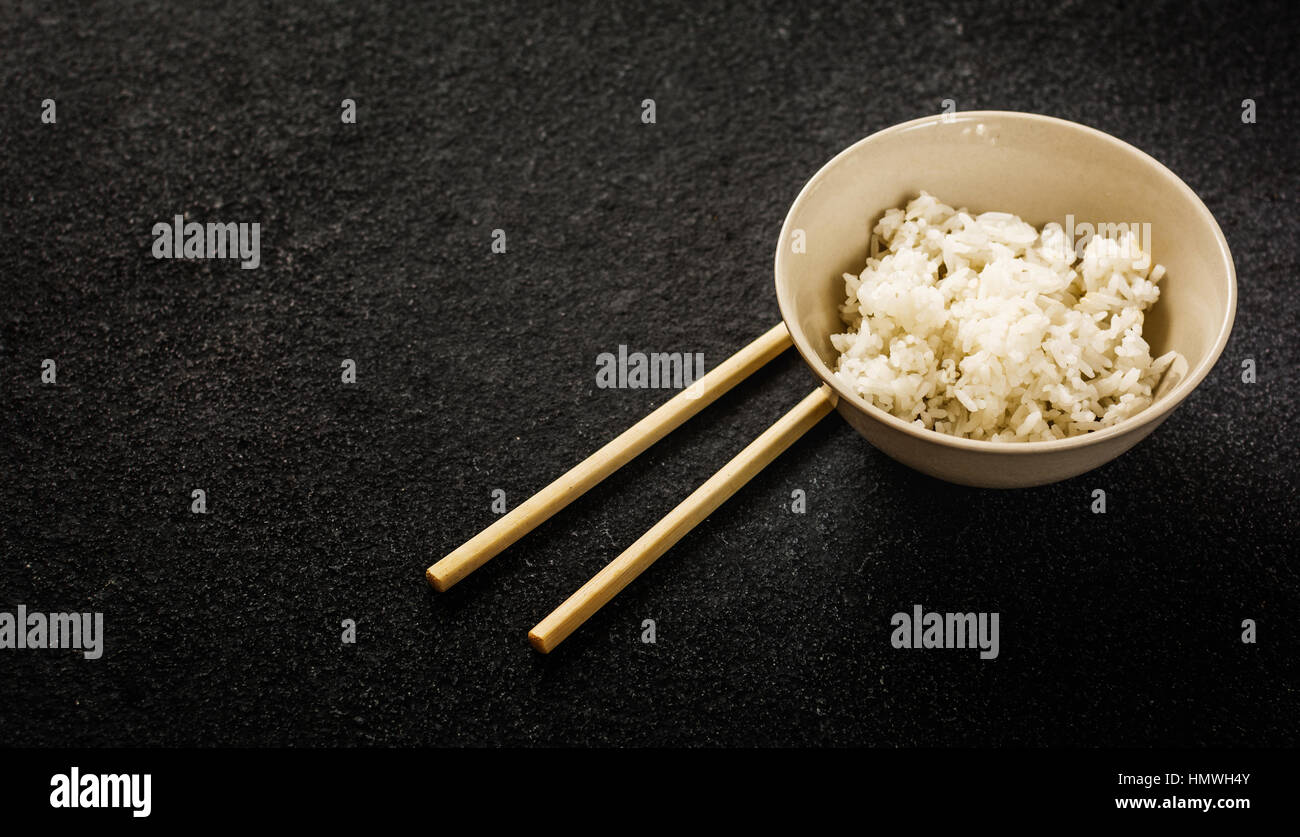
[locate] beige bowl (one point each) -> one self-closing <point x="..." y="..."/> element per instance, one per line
<point x="1041" y="169"/>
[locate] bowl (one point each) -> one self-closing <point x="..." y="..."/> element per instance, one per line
<point x="1042" y="169"/>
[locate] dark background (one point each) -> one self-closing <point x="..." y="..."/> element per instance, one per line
<point x="476" y="371"/>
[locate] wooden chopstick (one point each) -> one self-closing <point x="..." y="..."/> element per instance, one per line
<point x="531" y="513"/>
<point x="702" y="502"/>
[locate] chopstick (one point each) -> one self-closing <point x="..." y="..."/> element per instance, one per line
<point x="531" y="513"/>
<point x="702" y="502"/>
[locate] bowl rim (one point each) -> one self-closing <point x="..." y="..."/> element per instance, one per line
<point x="1153" y="413"/>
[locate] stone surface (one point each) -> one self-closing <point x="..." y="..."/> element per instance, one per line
<point x="476" y="372"/>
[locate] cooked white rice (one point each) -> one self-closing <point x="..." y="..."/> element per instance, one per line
<point x="983" y="327"/>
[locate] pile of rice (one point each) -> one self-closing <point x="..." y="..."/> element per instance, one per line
<point x="984" y="327"/>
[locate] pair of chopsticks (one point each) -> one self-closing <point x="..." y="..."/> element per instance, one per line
<point x="702" y="502"/>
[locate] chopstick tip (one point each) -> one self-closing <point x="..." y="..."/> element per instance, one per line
<point x="435" y="581"/>
<point x="538" y="642"/>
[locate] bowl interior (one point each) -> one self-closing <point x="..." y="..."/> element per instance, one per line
<point x="1037" y="167"/>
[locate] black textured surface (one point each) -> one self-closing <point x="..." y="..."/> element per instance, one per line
<point x="326" y="502"/>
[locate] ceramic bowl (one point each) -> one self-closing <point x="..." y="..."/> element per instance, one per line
<point x="1042" y="169"/>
